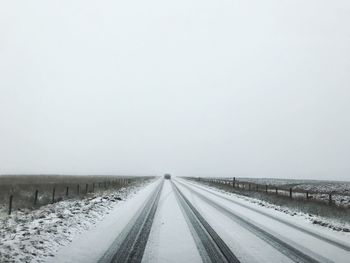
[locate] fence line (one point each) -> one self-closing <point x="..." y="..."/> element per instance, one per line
<point x="89" y="187"/>
<point x="270" y="189"/>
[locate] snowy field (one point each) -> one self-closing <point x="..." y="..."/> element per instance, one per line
<point x="35" y="235"/>
<point x="85" y="230"/>
<point x="322" y="186"/>
<point x="340" y="189"/>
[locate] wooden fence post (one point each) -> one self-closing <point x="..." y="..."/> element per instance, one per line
<point x="266" y="190"/>
<point x="276" y="191"/>
<point x="67" y="191"/>
<point x="53" y="195"/>
<point x="93" y="187"/>
<point x="10" y="204"/>
<point x="86" y="188"/>
<point x="78" y="189"/>
<point x="330" y="199"/>
<point x="36" y="197"/>
<point x="307" y="195"/>
<point x="290" y="193"/>
<point x="250" y="187"/>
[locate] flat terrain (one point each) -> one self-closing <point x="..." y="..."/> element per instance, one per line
<point x="322" y="186"/>
<point x="177" y="220"/>
<point x="33" y="191"/>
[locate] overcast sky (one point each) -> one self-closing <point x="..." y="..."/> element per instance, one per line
<point x="191" y="87"/>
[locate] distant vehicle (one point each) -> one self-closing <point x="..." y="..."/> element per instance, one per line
<point x="167" y="176"/>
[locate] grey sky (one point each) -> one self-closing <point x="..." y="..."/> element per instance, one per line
<point x="192" y="87"/>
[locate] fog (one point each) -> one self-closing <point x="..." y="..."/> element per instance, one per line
<point x="197" y="87"/>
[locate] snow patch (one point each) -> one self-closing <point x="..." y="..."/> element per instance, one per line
<point x="35" y="235"/>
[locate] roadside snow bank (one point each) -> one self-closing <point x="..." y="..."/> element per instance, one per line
<point x="334" y="225"/>
<point x="35" y="235"/>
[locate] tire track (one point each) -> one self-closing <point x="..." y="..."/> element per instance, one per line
<point x="302" y="229"/>
<point x="215" y="247"/>
<point x="131" y="243"/>
<point x="291" y="252"/>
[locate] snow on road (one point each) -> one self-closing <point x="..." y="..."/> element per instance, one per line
<point x="170" y="239"/>
<point x="91" y="245"/>
<point x="283" y="213"/>
<point x="232" y="232"/>
<point x="245" y="245"/>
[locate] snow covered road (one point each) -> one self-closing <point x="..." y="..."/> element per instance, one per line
<point x="265" y="236"/>
<point x="180" y="221"/>
<point x="170" y="239"/>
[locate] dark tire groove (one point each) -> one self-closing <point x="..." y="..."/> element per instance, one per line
<point x="133" y="245"/>
<point x="215" y="247"/>
<point x="330" y="241"/>
<point x="288" y="250"/>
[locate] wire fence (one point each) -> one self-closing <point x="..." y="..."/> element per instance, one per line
<point x="34" y="195"/>
<point x="331" y="197"/>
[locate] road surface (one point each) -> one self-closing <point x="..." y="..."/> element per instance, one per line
<point x="181" y="221"/>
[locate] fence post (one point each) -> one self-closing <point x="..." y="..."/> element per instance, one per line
<point x="250" y="187"/>
<point x="307" y="195"/>
<point x="266" y="188"/>
<point x="36" y="197"/>
<point x="67" y="191"/>
<point x="78" y="189"/>
<point x="276" y="191"/>
<point x="86" y="188"/>
<point x="290" y="193"/>
<point x="10" y="204"/>
<point x="330" y="199"/>
<point x="93" y="187"/>
<point x="53" y="195"/>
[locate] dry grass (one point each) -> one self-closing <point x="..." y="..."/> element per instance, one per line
<point x="23" y="187"/>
